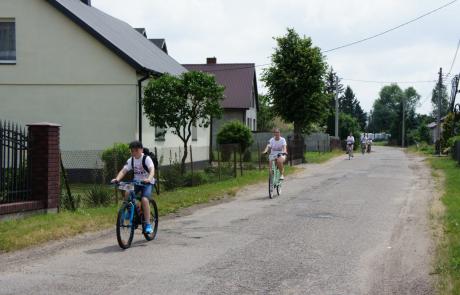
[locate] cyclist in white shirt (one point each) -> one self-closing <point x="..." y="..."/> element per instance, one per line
<point x="364" y="142"/>
<point x="350" y="141"/>
<point x="278" y="151"/>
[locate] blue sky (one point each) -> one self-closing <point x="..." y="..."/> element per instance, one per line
<point x="243" y="31"/>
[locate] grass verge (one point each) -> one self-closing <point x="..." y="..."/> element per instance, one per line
<point x="447" y="260"/>
<point x="38" y="229"/>
<point x="315" y="157"/>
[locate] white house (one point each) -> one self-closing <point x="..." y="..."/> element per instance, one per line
<point x="66" y="62"/>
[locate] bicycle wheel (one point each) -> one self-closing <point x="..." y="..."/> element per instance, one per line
<point x="270" y="185"/>
<point x="153" y="221"/>
<point x="125" y="226"/>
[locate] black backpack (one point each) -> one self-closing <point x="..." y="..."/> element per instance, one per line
<point x="154" y="158"/>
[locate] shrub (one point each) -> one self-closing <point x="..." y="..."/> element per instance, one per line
<point x="115" y="158"/>
<point x="235" y="132"/>
<point x="71" y="203"/>
<point x="171" y="177"/>
<point x="98" y="195"/>
<point x="198" y="178"/>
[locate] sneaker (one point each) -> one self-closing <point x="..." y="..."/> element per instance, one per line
<point x="282" y="177"/>
<point x="148" y="229"/>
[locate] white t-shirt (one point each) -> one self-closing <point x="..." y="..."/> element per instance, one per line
<point x="364" y="139"/>
<point x="350" y="140"/>
<point x="139" y="172"/>
<point x="276" y="146"/>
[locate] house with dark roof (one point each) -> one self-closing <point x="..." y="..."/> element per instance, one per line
<point x="67" y="62"/>
<point x="241" y="94"/>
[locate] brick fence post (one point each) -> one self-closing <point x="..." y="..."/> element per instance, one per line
<point x="44" y="163"/>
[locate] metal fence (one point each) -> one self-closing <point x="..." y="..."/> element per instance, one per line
<point x="14" y="167"/>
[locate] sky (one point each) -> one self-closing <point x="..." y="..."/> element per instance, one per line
<point x="242" y="31"/>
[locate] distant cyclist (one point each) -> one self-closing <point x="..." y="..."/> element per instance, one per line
<point x="350" y="143"/>
<point x="278" y="151"/>
<point x="364" y="140"/>
<point x="144" y="170"/>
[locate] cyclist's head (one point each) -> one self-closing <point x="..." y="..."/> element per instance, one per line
<point x="276" y="132"/>
<point x="136" y="148"/>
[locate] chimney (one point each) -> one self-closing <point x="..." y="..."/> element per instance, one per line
<point x="87" y="2"/>
<point x="211" y="60"/>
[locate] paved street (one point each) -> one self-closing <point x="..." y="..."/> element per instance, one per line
<point x="344" y="227"/>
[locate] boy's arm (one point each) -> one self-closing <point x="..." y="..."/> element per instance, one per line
<point x="120" y="175"/>
<point x="151" y="174"/>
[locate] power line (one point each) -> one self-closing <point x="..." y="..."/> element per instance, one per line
<point x="455" y="57"/>
<point x="392" y="29"/>
<point x="389" y="82"/>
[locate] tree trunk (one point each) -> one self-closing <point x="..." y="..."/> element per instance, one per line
<point x="184" y="158"/>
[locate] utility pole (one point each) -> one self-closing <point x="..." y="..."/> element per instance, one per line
<point x="336" y="106"/>
<point x="438" y="119"/>
<point x="403" y="121"/>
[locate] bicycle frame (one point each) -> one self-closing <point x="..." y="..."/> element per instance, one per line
<point x="132" y="200"/>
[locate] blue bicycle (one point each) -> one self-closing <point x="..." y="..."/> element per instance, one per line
<point x="130" y="216"/>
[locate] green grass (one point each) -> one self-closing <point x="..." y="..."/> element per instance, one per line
<point x="447" y="261"/>
<point x="38" y="229"/>
<point x="448" y="257"/>
<point x="315" y="157"/>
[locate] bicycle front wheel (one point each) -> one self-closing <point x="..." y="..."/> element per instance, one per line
<point x="125" y="227"/>
<point x="270" y="185"/>
<point x="153" y="221"/>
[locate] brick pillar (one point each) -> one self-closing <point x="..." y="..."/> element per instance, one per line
<point x="44" y="162"/>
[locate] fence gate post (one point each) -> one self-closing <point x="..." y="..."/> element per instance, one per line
<point x="45" y="159"/>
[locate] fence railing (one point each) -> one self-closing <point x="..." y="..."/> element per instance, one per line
<point x="14" y="167"/>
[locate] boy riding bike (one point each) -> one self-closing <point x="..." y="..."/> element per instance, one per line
<point x="350" y="144"/>
<point x="144" y="170"/>
<point x="278" y="151"/>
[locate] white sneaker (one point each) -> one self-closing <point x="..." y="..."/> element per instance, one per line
<point x="282" y="177"/>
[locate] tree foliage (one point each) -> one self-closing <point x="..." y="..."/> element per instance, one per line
<point x="295" y="81"/>
<point x="237" y="133"/>
<point x="388" y="110"/>
<point x="444" y="101"/>
<point x="350" y="105"/>
<point x="330" y="88"/>
<point x="178" y="103"/>
<point x="265" y="116"/>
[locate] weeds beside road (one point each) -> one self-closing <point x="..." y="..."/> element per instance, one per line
<point x="447" y="264"/>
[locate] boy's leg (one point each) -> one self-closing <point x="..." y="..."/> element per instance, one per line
<point x="146" y="196"/>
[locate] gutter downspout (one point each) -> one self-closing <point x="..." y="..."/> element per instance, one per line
<point x="139" y="85"/>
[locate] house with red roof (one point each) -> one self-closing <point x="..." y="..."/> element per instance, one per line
<point x="241" y="94"/>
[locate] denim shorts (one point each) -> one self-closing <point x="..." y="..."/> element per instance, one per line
<point x="146" y="190"/>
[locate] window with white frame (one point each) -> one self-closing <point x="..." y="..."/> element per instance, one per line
<point x="7" y="40"/>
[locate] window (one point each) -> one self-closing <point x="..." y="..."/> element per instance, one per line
<point x="254" y="126"/>
<point x="7" y="41"/>
<point x="160" y="134"/>
<point x="248" y="123"/>
<point x="194" y="133"/>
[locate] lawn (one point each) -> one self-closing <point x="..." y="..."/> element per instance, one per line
<point x="38" y="229"/>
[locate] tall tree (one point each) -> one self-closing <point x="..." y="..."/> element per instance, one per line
<point x="178" y="103"/>
<point x="347" y="101"/>
<point x="265" y="116"/>
<point x="295" y="81"/>
<point x="387" y="113"/>
<point x="444" y="101"/>
<point x="331" y="88"/>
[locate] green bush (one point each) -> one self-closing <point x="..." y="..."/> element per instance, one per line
<point x="235" y="132"/>
<point x="71" y="203"/>
<point x="171" y="177"/>
<point x="451" y="141"/>
<point x="198" y="178"/>
<point x="98" y="195"/>
<point x="115" y="158"/>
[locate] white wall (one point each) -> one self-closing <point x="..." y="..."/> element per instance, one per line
<point x="63" y="75"/>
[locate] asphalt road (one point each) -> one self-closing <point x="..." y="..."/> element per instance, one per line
<point x="344" y="227"/>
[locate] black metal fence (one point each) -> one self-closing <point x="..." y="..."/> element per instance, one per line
<point x="14" y="168"/>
